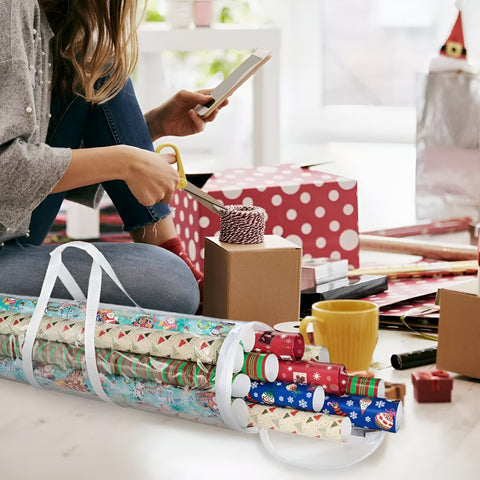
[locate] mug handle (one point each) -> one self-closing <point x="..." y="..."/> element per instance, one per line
<point x="303" y="328"/>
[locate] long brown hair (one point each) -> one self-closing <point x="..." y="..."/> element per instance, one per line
<point x="93" y="39"/>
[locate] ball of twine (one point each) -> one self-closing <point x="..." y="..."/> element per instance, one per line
<point x="243" y="224"/>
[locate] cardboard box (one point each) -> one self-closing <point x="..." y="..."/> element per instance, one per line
<point x="315" y="210"/>
<point x="459" y="329"/>
<point x="258" y="282"/>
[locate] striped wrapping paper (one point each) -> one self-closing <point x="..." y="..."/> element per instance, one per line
<point x="368" y="386"/>
<point x="145" y="367"/>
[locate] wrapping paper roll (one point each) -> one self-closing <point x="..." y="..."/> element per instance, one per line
<point x="174" y="345"/>
<point x="261" y="366"/>
<point x="324" y="426"/>
<point x="316" y="353"/>
<point x="332" y="377"/>
<point x="417" y="358"/>
<point x="124" y="315"/>
<point x="292" y="395"/>
<point x="366" y="386"/>
<point x="287" y="346"/>
<point x="366" y="412"/>
<point x="198" y="405"/>
<point x="293" y="327"/>
<point x="145" y="367"/>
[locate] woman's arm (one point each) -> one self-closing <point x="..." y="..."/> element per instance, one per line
<point x="150" y="176"/>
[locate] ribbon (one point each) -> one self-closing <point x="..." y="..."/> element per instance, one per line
<point x="244" y="224"/>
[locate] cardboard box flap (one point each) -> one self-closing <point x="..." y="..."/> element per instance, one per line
<point x="470" y="287"/>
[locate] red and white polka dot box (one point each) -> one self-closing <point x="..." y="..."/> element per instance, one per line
<point x="315" y="210"/>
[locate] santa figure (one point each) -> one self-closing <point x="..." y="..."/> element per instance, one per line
<point x="453" y="54"/>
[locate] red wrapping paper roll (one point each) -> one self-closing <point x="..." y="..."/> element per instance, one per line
<point x="332" y="377"/>
<point x="286" y="346"/>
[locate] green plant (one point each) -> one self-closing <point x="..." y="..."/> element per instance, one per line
<point x="210" y="63"/>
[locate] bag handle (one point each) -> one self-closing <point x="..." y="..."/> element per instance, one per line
<point x="57" y="269"/>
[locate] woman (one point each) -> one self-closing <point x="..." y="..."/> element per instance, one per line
<point x="70" y="122"/>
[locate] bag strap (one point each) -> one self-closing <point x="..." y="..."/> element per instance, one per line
<point x="57" y="269"/>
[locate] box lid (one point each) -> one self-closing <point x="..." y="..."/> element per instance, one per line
<point x="286" y="176"/>
<point x="271" y="242"/>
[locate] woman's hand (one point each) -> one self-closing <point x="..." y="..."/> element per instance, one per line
<point x="177" y="117"/>
<point x="150" y="176"/>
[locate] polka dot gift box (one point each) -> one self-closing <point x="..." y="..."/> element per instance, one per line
<point x="315" y="210"/>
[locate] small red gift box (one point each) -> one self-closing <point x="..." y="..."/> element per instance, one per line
<point x="432" y="386"/>
<point x="315" y="210"/>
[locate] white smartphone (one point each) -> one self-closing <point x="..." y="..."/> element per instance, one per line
<point x="243" y="72"/>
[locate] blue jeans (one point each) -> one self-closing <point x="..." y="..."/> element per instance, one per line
<point x="154" y="277"/>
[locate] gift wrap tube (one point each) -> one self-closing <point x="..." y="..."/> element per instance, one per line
<point x="366" y="412"/>
<point x="167" y="344"/>
<point x="417" y="358"/>
<point x="261" y="366"/>
<point x="125" y="315"/>
<point x="287" y="346"/>
<point x="366" y="386"/>
<point x="181" y="402"/>
<point x="146" y="367"/>
<point x="332" y="377"/>
<point x="292" y="395"/>
<point x="310" y="424"/>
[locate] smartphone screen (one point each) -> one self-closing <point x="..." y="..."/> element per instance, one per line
<point x="244" y="71"/>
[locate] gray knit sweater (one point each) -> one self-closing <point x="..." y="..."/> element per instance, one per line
<point x="29" y="168"/>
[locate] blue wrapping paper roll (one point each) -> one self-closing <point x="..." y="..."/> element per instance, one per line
<point x="366" y="412"/>
<point x="292" y="395"/>
<point x="123" y="315"/>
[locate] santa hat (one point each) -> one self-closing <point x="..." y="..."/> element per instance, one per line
<point x="453" y="54"/>
<point x="455" y="46"/>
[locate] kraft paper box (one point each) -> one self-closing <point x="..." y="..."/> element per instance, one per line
<point x="258" y="282"/>
<point x="459" y="329"/>
<point x="315" y="210"/>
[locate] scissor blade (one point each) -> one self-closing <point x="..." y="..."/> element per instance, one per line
<point x="205" y="199"/>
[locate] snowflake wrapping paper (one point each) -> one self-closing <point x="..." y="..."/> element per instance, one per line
<point x="316" y="210"/>
<point x="366" y="412"/>
<point x="332" y="377"/>
<point x="292" y="395"/>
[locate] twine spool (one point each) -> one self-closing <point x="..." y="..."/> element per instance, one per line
<point x="244" y="224"/>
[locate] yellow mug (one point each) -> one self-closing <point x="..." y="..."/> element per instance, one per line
<point x="347" y="328"/>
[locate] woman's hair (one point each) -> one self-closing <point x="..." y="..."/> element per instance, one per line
<point x="93" y="39"/>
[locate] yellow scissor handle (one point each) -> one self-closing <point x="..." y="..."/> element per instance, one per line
<point x="183" y="179"/>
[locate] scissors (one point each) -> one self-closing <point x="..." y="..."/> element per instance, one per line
<point x="201" y="196"/>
